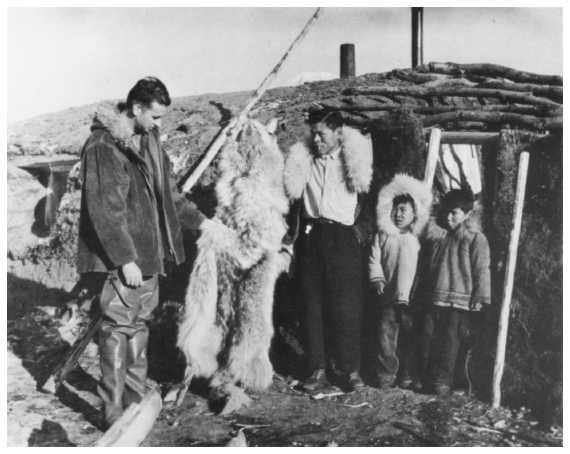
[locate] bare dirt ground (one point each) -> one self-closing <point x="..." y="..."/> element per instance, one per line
<point x="40" y="334"/>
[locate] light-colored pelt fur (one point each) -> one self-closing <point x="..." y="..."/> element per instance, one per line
<point x="400" y="185"/>
<point x="226" y="328"/>
<point x="356" y="154"/>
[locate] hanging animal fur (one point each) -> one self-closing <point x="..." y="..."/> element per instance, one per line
<point x="226" y="328"/>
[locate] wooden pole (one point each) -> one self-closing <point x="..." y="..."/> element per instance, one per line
<point x="509" y="278"/>
<point x="347" y="61"/>
<point x="219" y="142"/>
<point x="433" y="153"/>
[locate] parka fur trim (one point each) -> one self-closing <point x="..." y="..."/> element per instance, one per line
<point x="435" y="232"/>
<point x="400" y="185"/>
<point x="356" y="155"/>
<point x="115" y="123"/>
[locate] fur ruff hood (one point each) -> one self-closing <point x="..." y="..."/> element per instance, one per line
<point x="108" y="118"/>
<point x="403" y="184"/>
<point x="356" y="155"/>
<point x="468" y="228"/>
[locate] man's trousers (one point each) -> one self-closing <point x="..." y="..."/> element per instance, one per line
<point x="123" y="339"/>
<point x="331" y="285"/>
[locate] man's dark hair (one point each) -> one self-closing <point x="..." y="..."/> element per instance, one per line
<point x="404" y="198"/>
<point x="457" y="198"/>
<point x="331" y="118"/>
<point x="146" y="91"/>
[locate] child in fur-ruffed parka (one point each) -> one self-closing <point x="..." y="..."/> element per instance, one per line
<point x="458" y="283"/>
<point x="402" y="213"/>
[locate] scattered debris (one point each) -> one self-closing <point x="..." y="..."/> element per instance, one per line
<point x="239" y="441"/>
<point x="320" y="396"/>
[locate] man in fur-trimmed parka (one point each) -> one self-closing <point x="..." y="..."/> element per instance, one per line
<point x="402" y="214"/>
<point x="130" y="222"/>
<point x="331" y="181"/>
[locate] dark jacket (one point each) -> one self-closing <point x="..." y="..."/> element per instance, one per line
<point x="122" y="215"/>
<point x="361" y="176"/>
<point x="459" y="266"/>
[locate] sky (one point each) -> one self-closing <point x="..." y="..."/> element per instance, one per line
<point x="63" y="57"/>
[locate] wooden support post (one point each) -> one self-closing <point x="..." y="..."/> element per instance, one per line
<point x="64" y="368"/>
<point x="433" y="154"/>
<point x="347" y="61"/>
<point x="509" y="278"/>
<point x="135" y="423"/>
<point x="219" y="142"/>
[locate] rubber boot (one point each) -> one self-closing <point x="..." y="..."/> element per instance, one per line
<point x="137" y="365"/>
<point x="113" y="357"/>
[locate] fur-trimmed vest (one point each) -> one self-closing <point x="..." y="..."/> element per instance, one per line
<point x="119" y="203"/>
<point x="459" y="266"/>
<point x="394" y="254"/>
<point x="360" y="175"/>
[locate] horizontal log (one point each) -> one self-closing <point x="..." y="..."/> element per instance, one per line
<point x="480" y="138"/>
<point x="547" y="91"/>
<point x="539" y="111"/>
<point x="423" y="92"/>
<point x="527" y="121"/>
<point x="473" y="138"/>
<point x="489" y="70"/>
<point x="419" y="78"/>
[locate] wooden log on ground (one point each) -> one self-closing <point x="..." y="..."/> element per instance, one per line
<point x="489" y="70"/>
<point x="427" y="92"/>
<point x="68" y="364"/>
<point x="538" y="111"/>
<point x="135" y="423"/>
<point x="526" y="121"/>
<point x="509" y="278"/>
<point x="219" y="142"/>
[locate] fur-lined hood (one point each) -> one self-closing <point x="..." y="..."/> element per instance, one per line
<point x="468" y="228"/>
<point x="108" y="118"/>
<point x="403" y="184"/>
<point x="356" y="155"/>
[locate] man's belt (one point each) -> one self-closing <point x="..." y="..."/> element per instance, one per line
<point x="320" y="221"/>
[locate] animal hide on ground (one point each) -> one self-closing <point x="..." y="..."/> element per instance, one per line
<point x="226" y="328"/>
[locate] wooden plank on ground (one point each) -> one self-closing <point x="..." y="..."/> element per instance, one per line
<point x="135" y="423"/>
<point x="61" y="372"/>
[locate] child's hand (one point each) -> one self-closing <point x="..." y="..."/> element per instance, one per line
<point x="378" y="287"/>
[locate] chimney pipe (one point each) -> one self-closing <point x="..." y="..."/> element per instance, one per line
<point x="417" y="37"/>
<point x="347" y="64"/>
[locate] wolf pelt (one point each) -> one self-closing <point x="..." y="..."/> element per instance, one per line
<point x="226" y="327"/>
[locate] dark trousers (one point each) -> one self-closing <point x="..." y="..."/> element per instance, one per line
<point x="123" y="339"/>
<point x="392" y="318"/>
<point x="331" y="285"/>
<point x="448" y="325"/>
